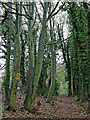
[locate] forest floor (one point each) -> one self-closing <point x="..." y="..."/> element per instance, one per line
<point x="60" y="107"/>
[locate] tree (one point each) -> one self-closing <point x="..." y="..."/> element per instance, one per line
<point x="17" y="64"/>
<point x="28" y="99"/>
<point x="52" y="85"/>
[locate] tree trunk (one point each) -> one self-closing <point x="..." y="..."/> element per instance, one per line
<point x="52" y="85"/>
<point x="7" y="70"/>
<point x="16" y="67"/>
<point x="40" y="52"/>
<point x="28" y="99"/>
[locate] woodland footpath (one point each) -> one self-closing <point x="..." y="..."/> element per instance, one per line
<point x="44" y="59"/>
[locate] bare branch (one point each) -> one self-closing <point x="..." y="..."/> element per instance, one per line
<point x="42" y="4"/>
<point x="53" y="10"/>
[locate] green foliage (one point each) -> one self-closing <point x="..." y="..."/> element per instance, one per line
<point x="61" y="84"/>
<point x="78" y="48"/>
<point x="2" y="29"/>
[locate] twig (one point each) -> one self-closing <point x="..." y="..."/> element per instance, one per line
<point x="53" y="10"/>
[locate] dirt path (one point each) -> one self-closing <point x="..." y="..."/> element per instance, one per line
<point x="62" y="107"/>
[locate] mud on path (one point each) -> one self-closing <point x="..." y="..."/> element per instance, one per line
<point x="61" y="107"/>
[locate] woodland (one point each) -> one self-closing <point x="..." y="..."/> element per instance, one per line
<point x="44" y="59"/>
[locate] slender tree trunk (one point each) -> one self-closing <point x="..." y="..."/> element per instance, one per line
<point x="52" y="85"/>
<point x="40" y="52"/>
<point x="28" y="99"/>
<point x="22" y="59"/>
<point x="7" y="70"/>
<point x="16" y="67"/>
<point x="72" y="89"/>
<point x="22" y="68"/>
<point x="8" y="50"/>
